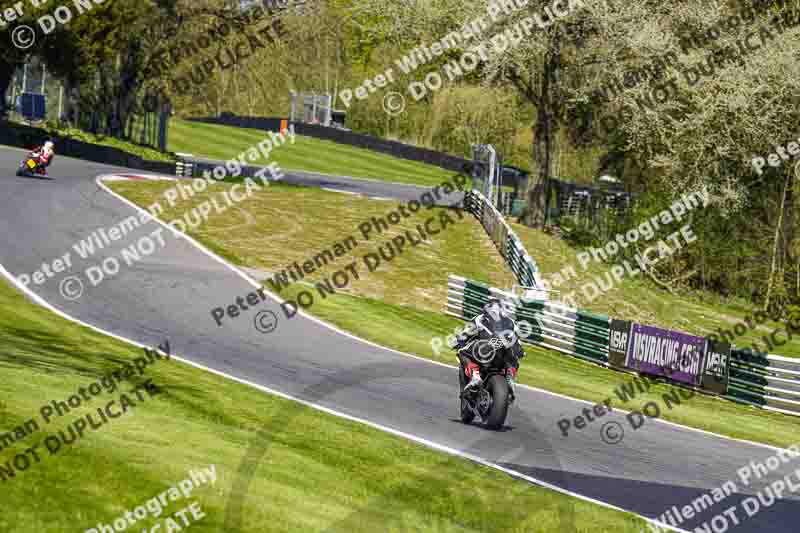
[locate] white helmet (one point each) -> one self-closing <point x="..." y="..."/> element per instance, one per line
<point x="48" y="146"/>
<point x="494" y="307"/>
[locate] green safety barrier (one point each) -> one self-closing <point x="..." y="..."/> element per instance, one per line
<point x="508" y="244"/>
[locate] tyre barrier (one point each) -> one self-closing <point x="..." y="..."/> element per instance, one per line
<point x="184" y="166"/>
<point x="764" y="380"/>
<point x="757" y="379"/>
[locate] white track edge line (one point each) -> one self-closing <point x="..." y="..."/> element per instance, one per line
<point x="340" y="191"/>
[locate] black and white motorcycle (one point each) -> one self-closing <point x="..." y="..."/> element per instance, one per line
<point x="491" y="344"/>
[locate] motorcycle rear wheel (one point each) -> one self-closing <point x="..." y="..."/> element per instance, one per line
<point x="498" y="388"/>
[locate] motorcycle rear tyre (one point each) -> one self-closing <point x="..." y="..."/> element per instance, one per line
<point x="498" y="388"/>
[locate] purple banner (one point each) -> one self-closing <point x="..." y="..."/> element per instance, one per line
<point x="662" y="352"/>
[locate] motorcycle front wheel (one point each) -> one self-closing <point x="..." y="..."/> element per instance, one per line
<point x="498" y="389"/>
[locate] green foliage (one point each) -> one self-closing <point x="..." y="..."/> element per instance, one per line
<point x="462" y="116"/>
<point x="105" y="140"/>
<point x="793" y="314"/>
<point x="578" y="235"/>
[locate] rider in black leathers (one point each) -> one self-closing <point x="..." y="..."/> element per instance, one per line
<point x="493" y="322"/>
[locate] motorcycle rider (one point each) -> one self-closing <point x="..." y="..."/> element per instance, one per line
<point x="45" y="154"/>
<point x="495" y="321"/>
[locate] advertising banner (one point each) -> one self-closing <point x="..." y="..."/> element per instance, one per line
<point x="717" y="367"/>
<point x="618" y="336"/>
<point x="662" y="352"/>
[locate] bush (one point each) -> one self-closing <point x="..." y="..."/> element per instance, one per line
<point x="579" y="236"/>
<point x="456" y="118"/>
<point x="462" y="116"/>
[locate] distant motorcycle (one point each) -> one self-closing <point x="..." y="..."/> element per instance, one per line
<point x="489" y="401"/>
<point x="31" y="165"/>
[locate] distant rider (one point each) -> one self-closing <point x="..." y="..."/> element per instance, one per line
<point x="45" y="154"/>
<point x="493" y="322"/>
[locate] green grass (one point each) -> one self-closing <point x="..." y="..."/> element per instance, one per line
<point x="400" y="305"/>
<point x="259" y="231"/>
<point x="103" y="140"/>
<point x="310" y="471"/>
<point x="218" y="142"/>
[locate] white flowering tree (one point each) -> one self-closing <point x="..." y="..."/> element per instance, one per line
<point x="680" y="122"/>
<point x="728" y="93"/>
<point x="531" y="61"/>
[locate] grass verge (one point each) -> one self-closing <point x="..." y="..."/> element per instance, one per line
<point x="219" y="142"/>
<point x="37" y="136"/>
<point x="281" y="224"/>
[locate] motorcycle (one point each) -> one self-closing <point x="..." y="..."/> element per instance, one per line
<point x="490" y="401"/>
<point x="31" y="165"/>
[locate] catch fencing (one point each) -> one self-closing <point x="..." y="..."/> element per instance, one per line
<point x="762" y="380"/>
<point x="146" y="122"/>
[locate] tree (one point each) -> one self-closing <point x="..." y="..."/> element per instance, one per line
<point x="694" y="110"/>
<point x="524" y="47"/>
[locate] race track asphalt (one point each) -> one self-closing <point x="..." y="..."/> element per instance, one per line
<point x="169" y="295"/>
<point x="347" y="184"/>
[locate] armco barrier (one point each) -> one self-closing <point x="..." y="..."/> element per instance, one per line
<point x="504" y="238"/>
<point x="768" y="381"/>
<point x="762" y="380"/>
